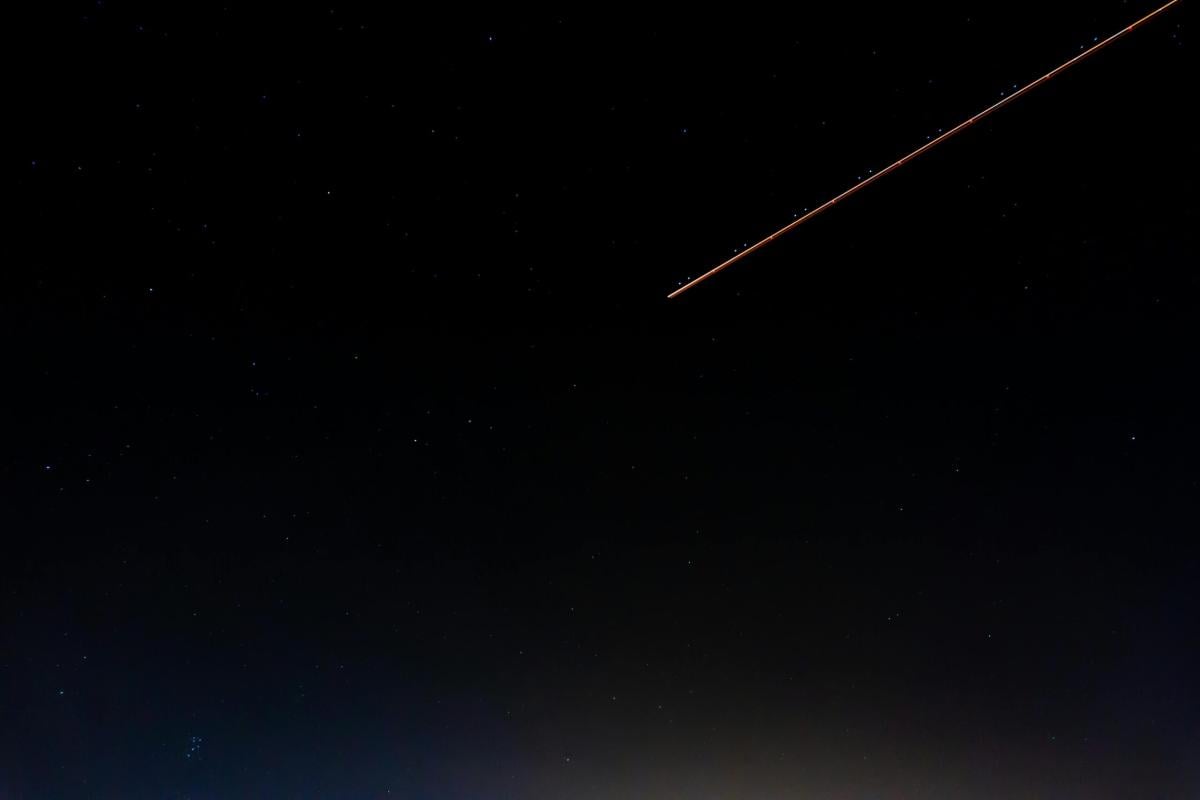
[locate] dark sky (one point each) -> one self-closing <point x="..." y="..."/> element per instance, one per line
<point x="351" y="449"/>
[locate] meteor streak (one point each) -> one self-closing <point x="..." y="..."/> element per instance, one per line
<point x="959" y="128"/>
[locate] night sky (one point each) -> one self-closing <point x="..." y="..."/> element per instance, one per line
<point x="351" y="448"/>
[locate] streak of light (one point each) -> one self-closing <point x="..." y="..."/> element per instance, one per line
<point x="959" y="128"/>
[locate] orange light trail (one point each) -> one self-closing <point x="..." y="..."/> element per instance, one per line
<point x="959" y="128"/>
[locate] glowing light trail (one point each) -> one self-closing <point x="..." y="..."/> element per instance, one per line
<point x="959" y="128"/>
